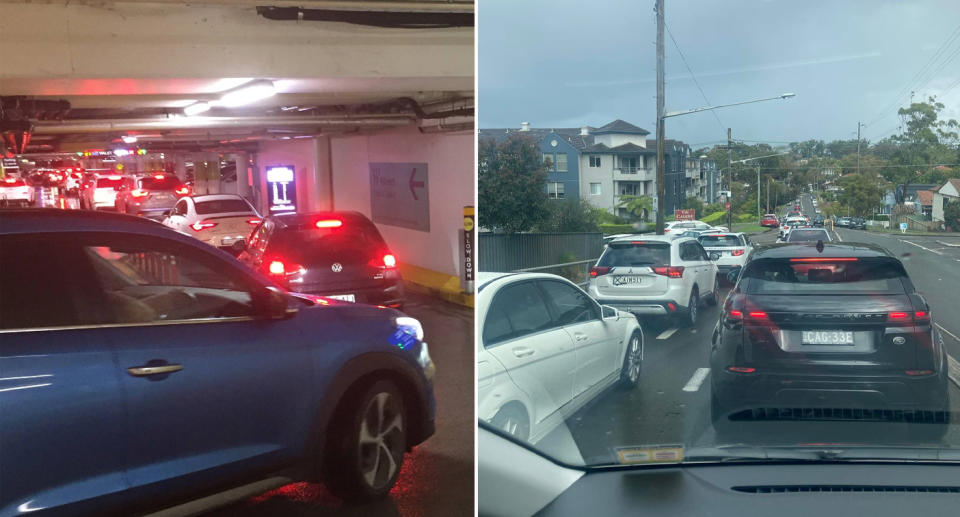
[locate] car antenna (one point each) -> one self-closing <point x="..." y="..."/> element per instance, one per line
<point x="820" y="246"/>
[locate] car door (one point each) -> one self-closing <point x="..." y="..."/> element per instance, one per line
<point x="211" y="391"/>
<point x="61" y="403"/>
<point x="537" y="354"/>
<point x="597" y="346"/>
<point x="708" y="278"/>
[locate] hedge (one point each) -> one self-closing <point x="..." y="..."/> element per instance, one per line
<point x="881" y="217"/>
<point x="611" y="229"/>
<point x="714" y="217"/>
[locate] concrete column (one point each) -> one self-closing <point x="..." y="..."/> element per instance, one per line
<point x="180" y="166"/>
<point x="241" y="161"/>
<point x="322" y="196"/>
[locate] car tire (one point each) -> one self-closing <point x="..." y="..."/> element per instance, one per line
<point x="715" y="295"/>
<point x="369" y="441"/>
<point x="693" y="307"/>
<point x="632" y="362"/>
<point x="512" y="419"/>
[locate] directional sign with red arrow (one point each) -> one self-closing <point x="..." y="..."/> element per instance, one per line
<point x="415" y="184"/>
<point x="400" y="195"/>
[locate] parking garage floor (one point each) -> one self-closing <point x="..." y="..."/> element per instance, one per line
<point x="437" y="476"/>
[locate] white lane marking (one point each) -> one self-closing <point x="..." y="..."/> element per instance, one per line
<point x="838" y="235"/>
<point x="951" y="334"/>
<point x="698" y="377"/>
<point x="666" y="333"/>
<point x="923" y="248"/>
<point x="948" y="244"/>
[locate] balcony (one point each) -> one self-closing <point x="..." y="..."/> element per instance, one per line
<point x="627" y="173"/>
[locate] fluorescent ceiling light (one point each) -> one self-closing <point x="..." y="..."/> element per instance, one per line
<point x="248" y="93"/>
<point x="196" y="108"/>
<point x="129" y="139"/>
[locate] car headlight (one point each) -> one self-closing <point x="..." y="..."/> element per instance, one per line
<point x="411" y="326"/>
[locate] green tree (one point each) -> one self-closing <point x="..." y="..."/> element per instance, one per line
<point x="569" y="215"/>
<point x="639" y="206"/>
<point x="695" y="204"/>
<point x="511" y="179"/>
<point x="951" y="215"/>
<point x="861" y="193"/>
<point x="924" y="142"/>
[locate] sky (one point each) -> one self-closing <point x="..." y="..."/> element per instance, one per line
<point x="570" y="63"/>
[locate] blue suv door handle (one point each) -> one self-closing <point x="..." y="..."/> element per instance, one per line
<point x="143" y="371"/>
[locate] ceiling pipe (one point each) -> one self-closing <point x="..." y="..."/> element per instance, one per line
<point x="111" y="125"/>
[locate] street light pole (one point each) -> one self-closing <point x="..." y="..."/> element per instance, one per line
<point x="758" y="193"/>
<point x="661" y="174"/>
<point x="729" y="180"/>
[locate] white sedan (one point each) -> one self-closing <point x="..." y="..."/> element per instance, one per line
<point x="545" y="349"/>
<point x="16" y="191"/>
<point x="222" y="220"/>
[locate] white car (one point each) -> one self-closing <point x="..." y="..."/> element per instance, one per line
<point x="728" y="250"/>
<point x="16" y="191"/>
<point x="222" y="220"/>
<point x="792" y="222"/>
<point x="545" y="349"/>
<point x="102" y="192"/>
<point x="691" y="225"/>
<point x="655" y="275"/>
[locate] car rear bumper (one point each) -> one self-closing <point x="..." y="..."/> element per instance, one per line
<point x="737" y="391"/>
<point x="659" y="307"/>
<point x="389" y="295"/>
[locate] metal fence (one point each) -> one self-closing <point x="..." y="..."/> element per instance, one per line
<point x="566" y="254"/>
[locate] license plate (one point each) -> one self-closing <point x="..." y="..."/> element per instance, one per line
<point x="827" y="337"/>
<point x="627" y="280"/>
<point x="344" y="297"/>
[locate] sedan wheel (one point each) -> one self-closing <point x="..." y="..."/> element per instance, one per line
<point x="370" y="455"/>
<point x="693" y="307"/>
<point x="513" y="421"/>
<point x="630" y="372"/>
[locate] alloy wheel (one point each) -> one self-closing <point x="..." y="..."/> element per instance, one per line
<point x="381" y="440"/>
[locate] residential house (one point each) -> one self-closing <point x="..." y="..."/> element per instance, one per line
<point x="949" y="192"/>
<point x="908" y="197"/>
<point x="925" y="202"/>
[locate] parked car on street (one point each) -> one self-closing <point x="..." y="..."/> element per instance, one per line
<point x="858" y="223"/>
<point x="834" y="332"/>
<point x="770" y="220"/>
<point x="655" y="275"/>
<point x="334" y="254"/>
<point x="155" y="369"/>
<point x="547" y="349"/>
<point x="150" y="195"/>
<point x="842" y="222"/>
<point x="221" y="220"/>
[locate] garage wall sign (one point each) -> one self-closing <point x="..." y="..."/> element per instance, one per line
<point x="400" y="195"/>
<point x="281" y="189"/>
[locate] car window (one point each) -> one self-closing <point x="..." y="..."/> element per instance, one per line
<point x="221" y="206"/>
<point x="719" y="241"/>
<point x="825" y="276"/>
<point x="636" y="253"/>
<point x="114" y="183"/>
<point x="571" y="305"/>
<point x="37" y="284"/>
<point x="702" y="252"/>
<point x="687" y="251"/>
<point x="524" y="310"/>
<point x="159" y="182"/>
<point x="140" y="279"/>
<point x="807" y="235"/>
<point x="180" y="208"/>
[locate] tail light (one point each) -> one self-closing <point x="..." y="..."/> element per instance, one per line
<point x="598" y="271"/>
<point x="669" y="271"/>
<point x="158" y="176"/>
<point x="202" y="225"/>
<point x="921" y="316"/>
<point x="741" y="369"/>
<point x="758" y="315"/>
<point x="138" y="193"/>
<point x="255" y="221"/>
<point x="387" y="261"/>
<point x="737" y="253"/>
<point x="182" y="191"/>
<point x="280" y="268"/>
<point x="736" y="315"/>
<point x="329" y="223"/>
<point x="901" y="316"/>
<point x="914" y="373"/>
<point x="898" y="316"/>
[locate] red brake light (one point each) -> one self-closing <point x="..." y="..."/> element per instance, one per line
<point x="329" y="223"/>
<point x="182" y="191"/>
<point x="918" y="372"/>
<point x="389" y="260"/>
<point x="897" y="316"/>
<point x="202" y="225"/>
<point x="598" y="271"/>
<point x="921" y="315"/>
<point x="672" y="306"/>
<point x="671" y="271"/>
<point x="158" y="176"/>
<point x="139" y="193"/>
<point x="255" y="221"/>
<point x="760" y="315"/>
<point x="637" y="242"/>
<point x="741" y="369"/>
<point x="737" y="253"/>
<point x="115" y="177"/>
<point x="277" y="267"/>
<point x="736" y="315"/>
<point x="825" y="259"/>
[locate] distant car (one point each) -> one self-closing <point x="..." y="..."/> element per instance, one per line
<point x="828" y="333"/>
<point x="545" y="350"/>
<point x="690" y="225"/>
<point x="333" y="254"/>
<point x="15" y="191"/>
<point x="728" y="250"/>
<point x="156" y="369"/>
<point x="655" y="275"/>
<point x="858" y="223"/>
<point x="790" y="223"/>
<point x="101" y="193"/>
<point x="842" y="222"/>
<point x="818" y="220"/>
<point x="221" y="220"/>
<point x="807" y="235"/>
<point x="770" y="220"/>
<point x="150" y="195"/>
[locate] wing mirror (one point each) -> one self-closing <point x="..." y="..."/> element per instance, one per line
<point x="608" y="313"/>
<point x="733" y="275"/>
<point x="166" y="213"/>
<point x="274" y="304"/>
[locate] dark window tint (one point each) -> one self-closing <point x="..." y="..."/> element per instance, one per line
<point x="860" y="276"/>
<point x="719" y="241"/>
<point x="523" y="308"/>
<point x="37" y="288"/>
<point x="570" y="303"/>
<point x="807" y="235"/>
<point x="140" y="279"/>
<point x="164" y="183"/>
<point x="629" y="254"/>
<point x="354" y="238"/>
<point x="689" y="251"/>
<point x="220" y="206"/>
<point x="109" y="182"/>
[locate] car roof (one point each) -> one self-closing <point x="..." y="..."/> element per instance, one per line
<point x="830" y="250"/>
<point x="721" y="234"/>
<point x="646" y="237"/>
<point x="214" y="197"/>
<point x="486" y="278"/>
<point x="43" y="220"/>
<point x="300" y="218"/>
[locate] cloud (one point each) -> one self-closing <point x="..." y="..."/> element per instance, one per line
<point x="736" y="71"/>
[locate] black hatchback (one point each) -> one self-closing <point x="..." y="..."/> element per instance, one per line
<point x="338" y="255"/>
<point x="827" y="331"/>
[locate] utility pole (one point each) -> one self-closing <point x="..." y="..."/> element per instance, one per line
<point x="661" y="176"/>
<point x="858" y="147"/>
<point x="768" y="194"/>
<point x="729" y="179"/>
<point x="758" y="193"/>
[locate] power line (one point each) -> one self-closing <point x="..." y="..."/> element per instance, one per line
<point x="694" y="77"/>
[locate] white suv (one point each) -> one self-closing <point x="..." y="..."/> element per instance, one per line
<point x="730" y="249"/>
<point x="655" y="275"/>
<point x="691" y="225"/>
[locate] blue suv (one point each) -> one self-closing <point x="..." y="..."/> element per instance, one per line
<point x="140" y="368"/>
